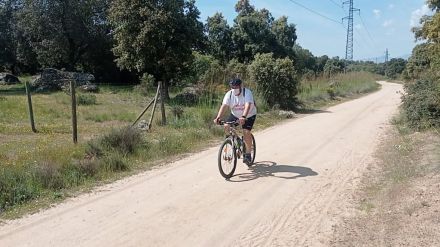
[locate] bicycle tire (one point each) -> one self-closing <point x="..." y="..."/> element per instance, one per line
<point x="228" y="158"/>
<point x="254" y="149"/>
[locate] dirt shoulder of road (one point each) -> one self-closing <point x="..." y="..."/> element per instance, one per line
<point x="398" y="203"/>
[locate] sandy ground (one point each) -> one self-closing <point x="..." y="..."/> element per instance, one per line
<point x="306" y="171"/>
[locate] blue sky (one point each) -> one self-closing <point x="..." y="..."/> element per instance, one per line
<point x="383" y="24"/>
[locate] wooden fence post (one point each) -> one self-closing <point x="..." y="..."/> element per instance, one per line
<point x="74" y="119"/>
<point x="31" y="111"/>
<point x="154" y="106"/>
<point x="143" y="112"/>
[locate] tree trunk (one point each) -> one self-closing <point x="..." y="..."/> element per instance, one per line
<point x="165" y="89"/>
<point x="163" y="92"/>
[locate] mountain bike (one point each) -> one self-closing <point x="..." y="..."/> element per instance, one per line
<point x="233" y="148"/>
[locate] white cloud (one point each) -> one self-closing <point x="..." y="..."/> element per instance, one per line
<point x="391" y="6"/>
<point x="388" y="23"/>
<point x="358" y="26"/>
<point x="417" y="14"/>
<point x="377" y="13"/>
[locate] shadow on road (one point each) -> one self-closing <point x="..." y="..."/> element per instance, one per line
<point x="311" y="111"/>
<point x="272" y="169"/>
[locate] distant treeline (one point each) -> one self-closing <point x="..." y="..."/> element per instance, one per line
<point x="123" y="40"/>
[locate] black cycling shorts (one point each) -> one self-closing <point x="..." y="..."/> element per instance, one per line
<point x="248" y="124"/>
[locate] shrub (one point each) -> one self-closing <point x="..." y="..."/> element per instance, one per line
<point x="49" y="175"/>
<point x="177" y="111"/>
<point x="147" y="81"/>
<point x="86" y="99"/>
<point x="125" y="140"/>
<point x="421" y="104"/>
<point x="276" y="80"/>
<point x="16" y="186"/>
<point x="114" y="162"/>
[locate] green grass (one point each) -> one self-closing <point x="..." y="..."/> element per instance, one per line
<point x="316" y="92"/>
<point x="46" y="166"/>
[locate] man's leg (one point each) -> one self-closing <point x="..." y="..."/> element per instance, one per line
<point x="247" y="136"/>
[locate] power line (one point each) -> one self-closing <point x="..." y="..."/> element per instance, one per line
<point x="362" y="38"/>
<point x="315" y="12"/>
<point x="366" y="29"/>
<point x="337" y="4"/>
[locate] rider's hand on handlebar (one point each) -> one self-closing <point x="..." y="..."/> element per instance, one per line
<point x="217" y="120"/>
<point x="241" y="120"/>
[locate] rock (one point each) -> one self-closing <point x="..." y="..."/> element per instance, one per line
<point x="89" y="87"/>
<point x="8" y="79"/>
<point x="52" y="79"/>
<point x="143" y="125"/>
<point x="186" y="98"/>
<point x="189" y="96"/>
<point x="287" y="114"/>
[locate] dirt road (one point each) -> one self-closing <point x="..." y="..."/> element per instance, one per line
<point x="307" y="169"/>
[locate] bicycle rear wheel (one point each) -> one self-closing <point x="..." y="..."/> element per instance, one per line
<point x="227" y="159"/>
<point x="253" y="149"/>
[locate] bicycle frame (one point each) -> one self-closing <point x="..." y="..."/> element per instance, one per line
<point x="236" y="140"/>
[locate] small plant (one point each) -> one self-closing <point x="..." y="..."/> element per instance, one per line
<point x="177" y="111"/>
<point x="89" y="167"/>
<point x="49" y="175"/>
<point x="114" y="162"/>
<point x="86" y="99"/>
<point x="147" y="81"/>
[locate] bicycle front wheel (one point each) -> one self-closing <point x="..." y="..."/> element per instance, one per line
<point x="227" y="159"/>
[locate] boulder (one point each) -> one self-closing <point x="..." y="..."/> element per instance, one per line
<point x="89" y="87"/>
<point x="189" y="95"/>
<point x="52" y="79"/>
<point x="286" y="114"/>
<point x="8" y="79"/>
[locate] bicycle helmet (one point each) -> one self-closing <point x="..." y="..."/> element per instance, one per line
<point x="235" y="82"/>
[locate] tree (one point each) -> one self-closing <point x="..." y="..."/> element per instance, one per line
<point x="334" y="66"/>
<point x="304" y="59"/>
<point x="395" y="67"/>
<point x="8" y="60"/>
<point x="62" y="32"/>
<point x="156" y="37"/>
<point x="276" y="80"/>
<point x="219" y="36"/>
<point x="285" y="35"/>
<point x="252" y="32"/>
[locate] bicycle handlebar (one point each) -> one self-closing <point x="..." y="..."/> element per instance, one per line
<point x="234" y="123"/>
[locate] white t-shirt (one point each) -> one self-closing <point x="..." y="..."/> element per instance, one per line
<point x="236" y="103"/>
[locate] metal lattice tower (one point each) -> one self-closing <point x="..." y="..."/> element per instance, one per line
<point x="349" y="45"/>
<point x="387" y="54"/>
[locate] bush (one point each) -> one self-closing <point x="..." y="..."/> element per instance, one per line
<point x="421" y="104"/>
<point x="125" y="140"/>
<point x="114" y="162"/>
<point x="16" y="187"/>
<point x="276" y="80"/>
<point x="147" y="81"/>
<point x="86" y="99"/>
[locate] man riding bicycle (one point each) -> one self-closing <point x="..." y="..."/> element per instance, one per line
<point x="241" y="102"/>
